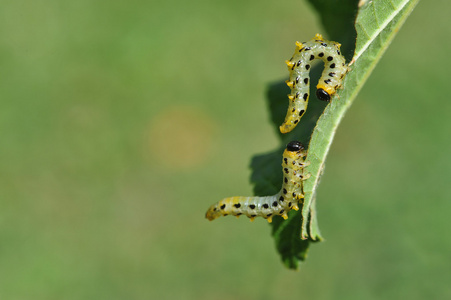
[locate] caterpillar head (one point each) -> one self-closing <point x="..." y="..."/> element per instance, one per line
<point x="295" y="146"/>
<point x="321" y="94"/>
<point x="295" y="150"/>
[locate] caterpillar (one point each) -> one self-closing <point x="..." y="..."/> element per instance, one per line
<point x="290" y="195"/>
<point x="331" y="79"/>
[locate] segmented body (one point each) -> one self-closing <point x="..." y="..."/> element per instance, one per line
<point x="287" y="199"/>
<point x="299" y="66"/>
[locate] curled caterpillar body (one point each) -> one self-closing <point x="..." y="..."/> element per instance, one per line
<point x="281" y="203"/>
<point x="299" y="66"/>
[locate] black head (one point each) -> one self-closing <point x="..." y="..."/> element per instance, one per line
<point x="295" y="146"/>
<point x="322" y="95"/>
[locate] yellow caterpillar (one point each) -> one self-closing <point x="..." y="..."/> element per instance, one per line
<point x="299" y="66"/>
<point x="287" y="199"/>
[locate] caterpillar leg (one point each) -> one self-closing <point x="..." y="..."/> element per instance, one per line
<point x="306" y="176"/>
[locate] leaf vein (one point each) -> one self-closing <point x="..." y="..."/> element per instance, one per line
<point x="379" y="30"/>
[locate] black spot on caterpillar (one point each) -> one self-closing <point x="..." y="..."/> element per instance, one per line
<point x="290" y="195"/>
<point x="331" y="79"/>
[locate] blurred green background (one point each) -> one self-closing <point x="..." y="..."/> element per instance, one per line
<point x="121" y="122"/>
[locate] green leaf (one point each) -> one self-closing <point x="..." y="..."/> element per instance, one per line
<point x="376" y="24"/>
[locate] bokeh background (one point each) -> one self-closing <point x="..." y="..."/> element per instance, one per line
<point x="121" y="122"/>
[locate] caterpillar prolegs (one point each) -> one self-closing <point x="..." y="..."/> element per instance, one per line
<point x="290" y="195"/>
<point x="299" y="66"/>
